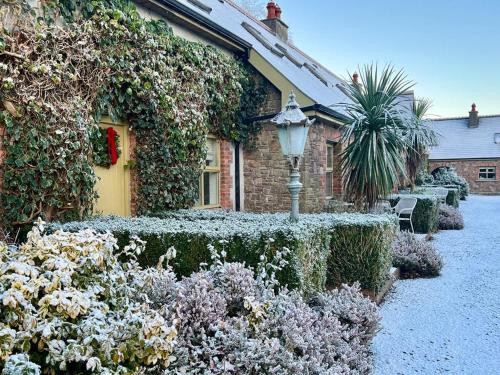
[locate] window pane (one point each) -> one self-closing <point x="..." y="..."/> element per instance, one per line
<point x="212" y="153"/>
<point x="329" y="184"/>
<point x="210" y="188"/>
<point x="329" y="157"/>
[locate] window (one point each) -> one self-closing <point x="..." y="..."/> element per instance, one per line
<point x="209" y="181"/>
<point x="329" y="170"/>
<point x="487" y="173"/>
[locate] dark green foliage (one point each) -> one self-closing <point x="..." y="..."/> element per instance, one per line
<point x="425" y="215"/>
<point x="373" y="158"/>
<point x="453" y="197"/>
<point x="99" y="140"/>
<point x="361" y="253"/>
<point x="339" y="249"/>
<point x="108" y="60"/>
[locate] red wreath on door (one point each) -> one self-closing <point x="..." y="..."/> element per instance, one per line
<point x="113" y="152"/>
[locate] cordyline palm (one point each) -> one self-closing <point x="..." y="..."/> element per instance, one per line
<point x="373" y="159"/>
<point x="419" y="137"/>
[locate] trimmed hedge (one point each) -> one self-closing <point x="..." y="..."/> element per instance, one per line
<point x="426" y="213"/>
<point x="453" y="197"/>
<point x="362" y="251"/>
<point x="341" y="248"/>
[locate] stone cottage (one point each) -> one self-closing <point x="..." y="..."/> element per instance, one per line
<point x="234" y="177"/>
<point x="471" y="145"/>
<point x="255" y="180"/>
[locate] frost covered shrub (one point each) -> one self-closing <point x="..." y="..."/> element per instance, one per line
<point x="449" y="176"/>
<point x="68" y="305"/>
<point x="450" y="218"/>
<point x="338" y="248"/>
<point x="414" y="257"/>
<point x="272" y="330"/>
<point x="425" y="214"/>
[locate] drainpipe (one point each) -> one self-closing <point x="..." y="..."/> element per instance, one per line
<point x="237" y="177"/>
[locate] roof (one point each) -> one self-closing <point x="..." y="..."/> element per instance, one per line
<point x="458" y="141"/>
<point x="313" y="79"/>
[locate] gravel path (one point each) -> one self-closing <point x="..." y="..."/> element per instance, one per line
<point x="449" y="324"/>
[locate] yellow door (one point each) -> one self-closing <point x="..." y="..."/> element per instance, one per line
<point x="113" y="185"/>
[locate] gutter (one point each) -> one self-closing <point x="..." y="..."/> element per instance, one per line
<point x="315" y="107"/>
<point x="175" y="6"/>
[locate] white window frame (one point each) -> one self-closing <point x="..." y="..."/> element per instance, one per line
<point x="486" y="172"/>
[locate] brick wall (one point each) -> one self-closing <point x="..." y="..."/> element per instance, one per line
<point x="226" y="175"/>
<point x="266" y="172"/>
<point x="469" y="169"/>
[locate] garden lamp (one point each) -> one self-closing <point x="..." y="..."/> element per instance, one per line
<point x="293" y="127"/>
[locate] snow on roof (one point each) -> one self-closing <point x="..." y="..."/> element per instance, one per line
<point x="313" y="79"/>
<point x="458" y="141"/>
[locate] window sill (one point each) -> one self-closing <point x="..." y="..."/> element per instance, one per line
<point x="495" y="180"/>
<point x="213" y="206"/>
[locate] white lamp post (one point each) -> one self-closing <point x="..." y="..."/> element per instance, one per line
<point x="293" y="127"/>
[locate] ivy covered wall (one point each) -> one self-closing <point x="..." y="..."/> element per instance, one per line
<point x="61" y="72"/>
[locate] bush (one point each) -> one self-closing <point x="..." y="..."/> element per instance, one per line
<point x="69" y="306"/>
<point x="449" y="176"/>
<point x="424" y="178"/>
<point x="452" y="195"/>
<point x="361" y="251"/>
<point x="351" y="246"/>
<point x="450" y="218"/>
<point x="415" y="258"/>
<point x="232" y="320"/>
<point x="425" y="216"/>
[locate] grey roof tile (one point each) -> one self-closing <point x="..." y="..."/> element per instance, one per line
<point x="458" y="141"/>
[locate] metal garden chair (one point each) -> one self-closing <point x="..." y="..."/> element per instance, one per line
<point x="404" y="209"/>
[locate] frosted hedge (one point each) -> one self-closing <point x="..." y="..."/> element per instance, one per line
<point x="324" y="248"/>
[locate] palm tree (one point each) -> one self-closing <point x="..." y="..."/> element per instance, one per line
<point x="373" y="159"/>
<point x="419" y="137"/>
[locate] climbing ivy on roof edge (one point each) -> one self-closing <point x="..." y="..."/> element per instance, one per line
<point x="60" y="72"/>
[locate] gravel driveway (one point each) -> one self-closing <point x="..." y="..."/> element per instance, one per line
<point x="449" y="324"/>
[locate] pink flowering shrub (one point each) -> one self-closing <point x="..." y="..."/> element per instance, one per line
<point x="450" y="218"/>
<point x="414" y="257"/>
<point x="235" y="320"/>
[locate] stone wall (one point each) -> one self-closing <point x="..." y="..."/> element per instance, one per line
<point x="266" y="172"/>
<point x="469" y="169"/>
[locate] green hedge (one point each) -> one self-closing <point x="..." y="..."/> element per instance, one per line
<point x="338" y="248"/>
<point x="426" y="213"/>
<point x="454" y="193"/>
<point x="361" y="250"/>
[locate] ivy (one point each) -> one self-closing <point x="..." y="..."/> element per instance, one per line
<point x="57" y="82"/>
<point x="100" y="148"/>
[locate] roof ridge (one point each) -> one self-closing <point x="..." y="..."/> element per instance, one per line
<point x="462" y="117"/>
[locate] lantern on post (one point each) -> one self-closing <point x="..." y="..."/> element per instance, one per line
<point x="293" y="128"/>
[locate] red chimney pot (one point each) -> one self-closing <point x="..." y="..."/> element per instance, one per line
<point x="355" y="77"/>
<point x="474" y="107"/>
<point x="271" y="10"/>
<point x="278" y="11"/>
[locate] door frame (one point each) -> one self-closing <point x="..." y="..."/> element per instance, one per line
<point x="125" y="153"/>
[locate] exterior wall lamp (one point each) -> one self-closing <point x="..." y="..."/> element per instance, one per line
<point x="293" y="128"/>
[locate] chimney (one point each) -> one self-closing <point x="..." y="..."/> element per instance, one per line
<point x="473" y="117"/>
<point x="274" y="22"/>
<point x="355" y="78"/>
